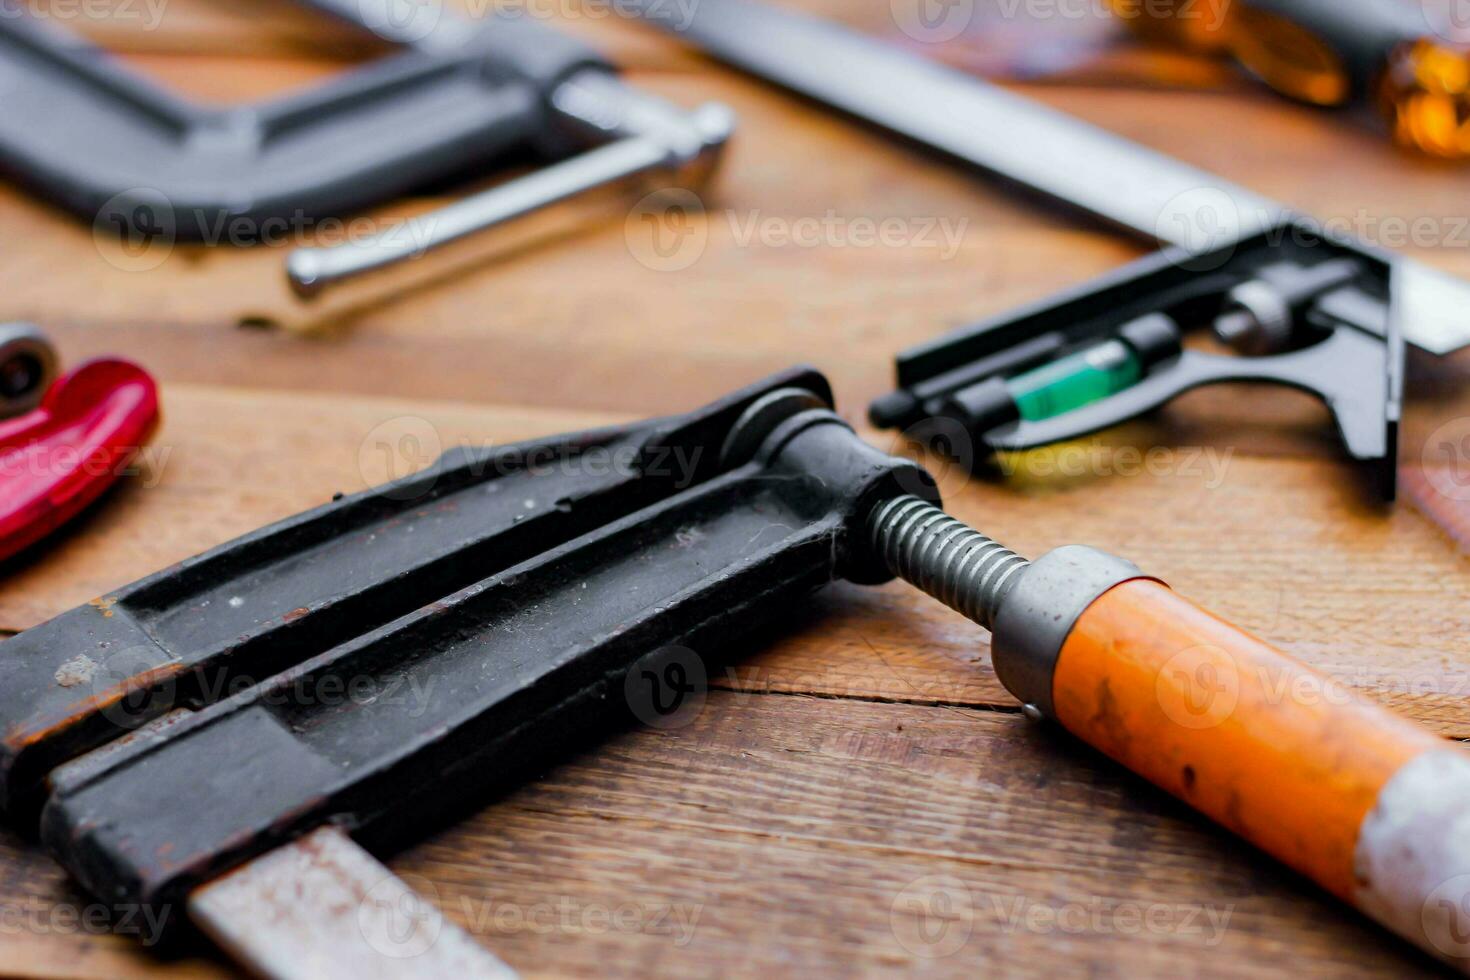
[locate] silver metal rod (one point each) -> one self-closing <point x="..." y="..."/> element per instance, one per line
<point x="957" y="565"/>
<point x="322" y="908"/>
<point x="312" y="270"/>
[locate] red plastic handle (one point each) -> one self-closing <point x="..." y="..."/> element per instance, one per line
<point x="58" y="459"/>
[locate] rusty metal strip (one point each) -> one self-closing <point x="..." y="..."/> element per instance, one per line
<point x="322" y="908"/>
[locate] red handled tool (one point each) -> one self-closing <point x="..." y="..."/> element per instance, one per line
<point x="65" y="443"/>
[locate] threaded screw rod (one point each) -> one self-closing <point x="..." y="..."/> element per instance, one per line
<point x="949" y="560"/>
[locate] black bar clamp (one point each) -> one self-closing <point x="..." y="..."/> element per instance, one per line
<point x="393" y="654"/>
<point x="138" y="161"/>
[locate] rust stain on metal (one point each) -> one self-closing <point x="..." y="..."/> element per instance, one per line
<point x="297" y="614"/>
<point x="22" y="736"/>
<point x="104" y="604"/>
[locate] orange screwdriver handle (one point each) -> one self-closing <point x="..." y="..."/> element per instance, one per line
<point x="1369" y="805"/>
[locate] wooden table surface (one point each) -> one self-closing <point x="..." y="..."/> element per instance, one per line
<point x="860" y="795"/>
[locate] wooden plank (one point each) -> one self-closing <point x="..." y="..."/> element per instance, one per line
<point x="800" y="836"/>
<point x="847" y="763"/>
<point x="849" y="308"/>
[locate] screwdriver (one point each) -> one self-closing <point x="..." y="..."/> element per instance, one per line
<point x="1367" y="804"/>
<point x="1387" y="56"/>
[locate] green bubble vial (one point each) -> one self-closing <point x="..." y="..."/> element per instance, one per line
<point x="1076" y="381"/>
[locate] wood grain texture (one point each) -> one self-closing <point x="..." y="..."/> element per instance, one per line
<point x="861" y="781"/>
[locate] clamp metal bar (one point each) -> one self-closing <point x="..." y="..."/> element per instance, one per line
<point x="659" y="139"/>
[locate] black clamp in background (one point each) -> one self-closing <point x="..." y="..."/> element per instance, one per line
<point x="1301" y="310"/>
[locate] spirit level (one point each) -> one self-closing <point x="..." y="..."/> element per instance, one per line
<point x="1314" y="314"/>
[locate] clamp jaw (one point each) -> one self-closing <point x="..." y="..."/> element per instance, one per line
<point x="1314" y="314"/>
<point x="460" y="96"/>
<point x="515" y="588"/>
<point x="214" y="737"/>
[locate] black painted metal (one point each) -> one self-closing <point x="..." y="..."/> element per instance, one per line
<point x="1351" y="358"/>
<point x="119" y="151"/>
<point x="487" y="612"/>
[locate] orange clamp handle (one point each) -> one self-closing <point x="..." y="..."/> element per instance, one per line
<point x="1360" y="800"/>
